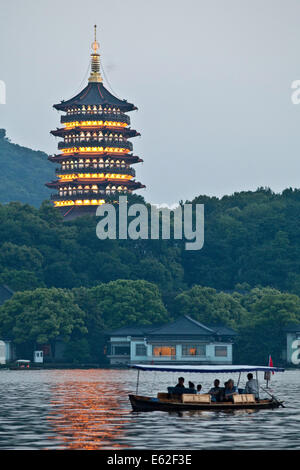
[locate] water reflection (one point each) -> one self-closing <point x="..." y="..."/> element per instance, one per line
<point x="200" y="414"/>
<point x="86" y="415"/>
<point x="89" y="409"/>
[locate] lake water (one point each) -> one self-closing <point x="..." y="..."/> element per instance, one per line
<point x="89" y="409"/>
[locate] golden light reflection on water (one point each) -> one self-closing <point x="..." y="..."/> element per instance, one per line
<point x="89" y="409"/>
<point x="88" y="414"/>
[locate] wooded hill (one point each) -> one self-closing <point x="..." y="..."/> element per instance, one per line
<point x="247" y="275"/>
<point x="23" y="173"/>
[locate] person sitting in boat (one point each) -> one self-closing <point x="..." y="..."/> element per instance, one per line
<point x="251" y="386"/>
<point x="230" y="390"/>
<point x="180" y="382"/>
<point x="191" y="385"/>
<point x="180" y="388"/>
<point x="199" y="388"/>
<point x="216" y="391"/>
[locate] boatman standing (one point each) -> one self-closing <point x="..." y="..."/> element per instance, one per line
<point x="251" y="386"/>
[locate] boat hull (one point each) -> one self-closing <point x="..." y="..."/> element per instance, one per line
<point x="141" y="403"/>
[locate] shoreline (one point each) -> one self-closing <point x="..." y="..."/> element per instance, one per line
<point x="66" y="366"/>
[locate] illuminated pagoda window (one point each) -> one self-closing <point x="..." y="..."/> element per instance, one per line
<point x="95" y="151"/>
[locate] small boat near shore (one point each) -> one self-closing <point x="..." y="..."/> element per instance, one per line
<point x="191" y="401"/>
<point x="23" y="364"/>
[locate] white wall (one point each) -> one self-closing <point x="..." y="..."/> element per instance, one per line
<point x="210" y="354"/>
<point x="5" y="352"/>
<point x="133" y="356"/>
<point x="2" y="352"/>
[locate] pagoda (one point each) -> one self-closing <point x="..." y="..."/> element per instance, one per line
<point x="96" y="155"/>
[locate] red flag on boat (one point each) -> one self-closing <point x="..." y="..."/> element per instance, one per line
<point x="271" y="363"/>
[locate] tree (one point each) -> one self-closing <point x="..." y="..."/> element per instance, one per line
<point x="20" y="280"/>
<point x="40" y="316"/>
<point x="210" y="307"/>
<point x="20" y="257"/>
<point x="124" y="302"/>
<point x="77" y="350"/>
<point x="21" y="169"/>
<point x="115" y="304"/>
<point x="269" y="312"/>
<point x="60" y="274"/>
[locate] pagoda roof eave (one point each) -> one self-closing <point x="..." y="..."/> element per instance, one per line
<point x="127" y="131"/>
<point x="126" y="156"/>
<point x="90" y="180"/>
<point x="95" y="94"/>
<point x="129" y="183"/>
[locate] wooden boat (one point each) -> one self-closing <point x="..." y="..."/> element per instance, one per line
<point x="20" y="364"/>
<point x="23" y="364"/>
<point x="188" y="401"/>
<point x="142" y="403"/>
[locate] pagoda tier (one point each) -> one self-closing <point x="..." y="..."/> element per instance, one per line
<point x="92" y="97"/>
<point x="95" y="153"/>
<point x="88" y="191"/>
<point x="87" y="115"/>
<point x="79" y="186"/>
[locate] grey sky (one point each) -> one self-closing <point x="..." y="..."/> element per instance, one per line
<point x="211" y="78"/>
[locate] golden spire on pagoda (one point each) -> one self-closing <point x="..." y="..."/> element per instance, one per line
<point x="95" y="60"/>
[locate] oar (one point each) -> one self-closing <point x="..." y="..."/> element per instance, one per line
<point x="272" y="396"/>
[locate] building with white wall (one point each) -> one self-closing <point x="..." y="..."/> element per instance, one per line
<point x="185" y="341"/>
<point x="6" y="347"/>
<point x="6" y="351"/>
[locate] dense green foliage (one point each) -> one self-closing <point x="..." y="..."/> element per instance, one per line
<point x="81" y="316"/>
<point x="41" y="315"/>
<point x="44" y="251"/>
<point x="23" y="173"/>
<point x="210" y="307"/>
<point x="250" y="237"/>
<point x="259" y="315"/>
<point x="116" y="304"/>
<point x="246" y="276"/>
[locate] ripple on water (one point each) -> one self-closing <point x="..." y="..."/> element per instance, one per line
<point x="89" y="409"/>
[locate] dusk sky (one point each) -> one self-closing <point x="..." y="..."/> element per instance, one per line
<point x="211" y="80"/>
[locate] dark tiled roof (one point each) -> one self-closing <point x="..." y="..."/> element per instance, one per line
<point x="223" y="330"/>
<point x="183" y="326"/>
<point x="95" y="93"/>
<point x="5" y="293"/>
<point x="130" y="331"/>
